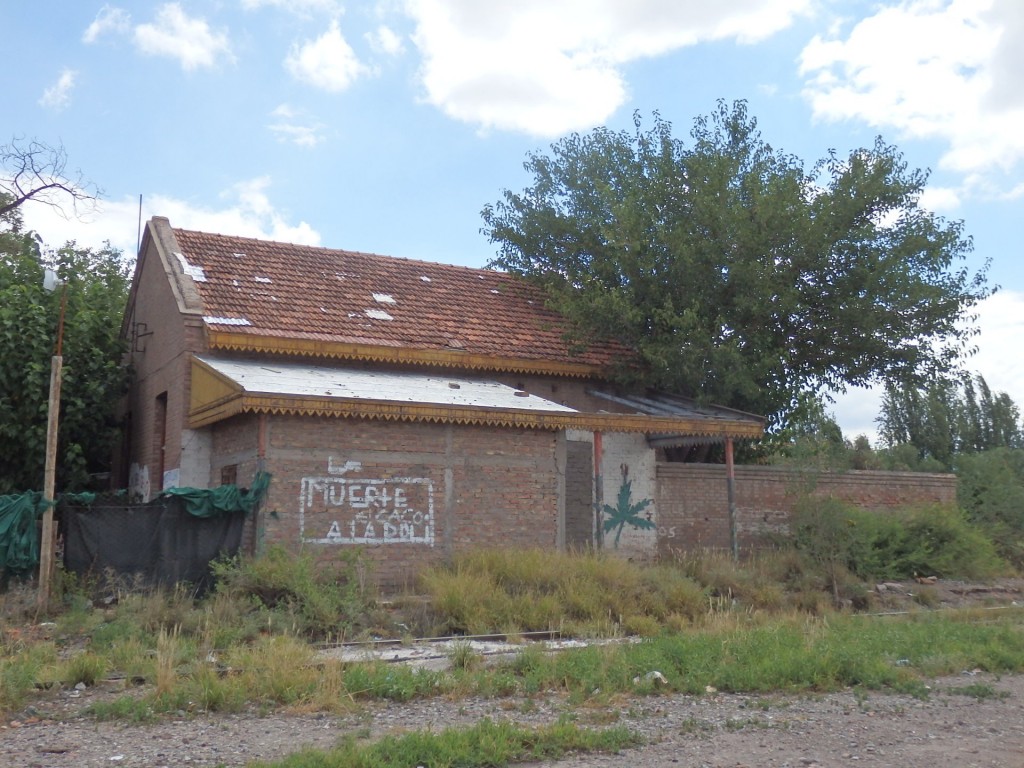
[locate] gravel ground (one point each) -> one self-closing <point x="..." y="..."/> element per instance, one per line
<point x="949" y="730"/>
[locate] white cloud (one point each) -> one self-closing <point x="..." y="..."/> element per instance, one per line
<point x="386" y="41"/>
<point x="940" y="200"/>
<point x="1001" y="325"/>
<point x="1001" y="320"/>
<point x="58" y="95"/>
<point x="297" y="7"/>
<point x="247" y="212"/>
<point x="178" y="36"/>
<point x="946" y="71"/>
<point x="855" y="412"/>
<point x="113" y="221"/>
<point x="544" y="67"/>
<point x="328" y="63"/>
<point x="109" y="19"/>
<point x="291" y="127"/>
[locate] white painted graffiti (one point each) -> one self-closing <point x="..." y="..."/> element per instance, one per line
<point x="349" y="510"/>
<point x="138" y="483"/>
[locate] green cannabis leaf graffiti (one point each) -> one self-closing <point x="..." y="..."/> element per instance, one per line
<point x="625" y="513"/>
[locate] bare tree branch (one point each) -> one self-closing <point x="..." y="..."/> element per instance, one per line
<point x="37" y="171"/>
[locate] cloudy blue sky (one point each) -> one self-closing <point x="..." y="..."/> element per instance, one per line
<point x="387" y="126"/>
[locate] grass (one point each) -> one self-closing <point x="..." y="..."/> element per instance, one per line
<point x="539" y="590"/>
<point x="485" y="744"/>
<point x="601" y="595"/>
<point x="790" y="654"/>
<point x="703" y="621"/>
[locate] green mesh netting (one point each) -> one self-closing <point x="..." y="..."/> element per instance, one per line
<point x="227" y="499"/>
<point x="19" y="534"/>
<point x="19" y="513"/>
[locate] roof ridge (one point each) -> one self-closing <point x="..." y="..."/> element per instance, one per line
<point x="273" y="295"/>
<point x="368" y="254"/>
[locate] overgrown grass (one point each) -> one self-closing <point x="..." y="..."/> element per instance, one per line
<point x="761" y="625"/>
<point x="788" y="655"/>
<point x="600" y="595"/>
<point x="285" y="592"/>
<point x="22" y="665"/>
<point x="539" y="590"/>
<point x="485" y="744"/>
<point x="793" y="654"/>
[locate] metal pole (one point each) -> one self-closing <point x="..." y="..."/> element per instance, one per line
<point x="258" y="521"/>
<point x="730" y="484"/>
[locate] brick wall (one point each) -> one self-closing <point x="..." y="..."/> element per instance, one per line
<point x="161" y="340"/>
<point x="579" y="494"/>
<point x="693" y="510"/>
<point x="433" y="489"/>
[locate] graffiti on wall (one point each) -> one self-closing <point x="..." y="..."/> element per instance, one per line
<point x="138" y="483"/>
<point x="626" y="513"/>
<point x="341" y="508"/>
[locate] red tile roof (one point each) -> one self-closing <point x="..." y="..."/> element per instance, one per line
<point x="281" y="290"/>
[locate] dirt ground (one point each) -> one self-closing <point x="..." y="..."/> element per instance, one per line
<point x="948" y="730"/>
<point x="970" y="719"/>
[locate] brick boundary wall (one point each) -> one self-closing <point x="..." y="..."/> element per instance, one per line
<point x="693" y="507"/>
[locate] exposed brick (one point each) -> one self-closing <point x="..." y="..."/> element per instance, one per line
<point x="491" y="486"/>
<point x="693" y="509"/>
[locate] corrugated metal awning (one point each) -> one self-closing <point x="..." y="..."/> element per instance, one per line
<point x="222" y="388"/>
<point x="318" y="381"/>
<point x="722" y="422"/>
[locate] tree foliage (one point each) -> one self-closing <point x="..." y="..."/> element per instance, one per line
<point x="947" y="417"/>
<point x="736" y="274"/>
<point x="96" y="285"/>
<point x="990" y="490"/>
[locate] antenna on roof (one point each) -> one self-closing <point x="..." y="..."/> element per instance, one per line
<point x="138" y="231"/>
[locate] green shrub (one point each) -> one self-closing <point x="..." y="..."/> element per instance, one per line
<point x="938" y="541"/>
<point x="990" y="490"/>
<point x="934" y="540"/>
<point x="297" y="592"/>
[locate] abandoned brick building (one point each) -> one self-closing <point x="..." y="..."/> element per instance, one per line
<point x="412" y="408"/>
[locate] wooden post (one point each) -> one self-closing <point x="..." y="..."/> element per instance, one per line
<point x="598" y="490"/>
<point x="48" y="540"/>
<point x="730" y="484"/>
<point x="47" y="543"/>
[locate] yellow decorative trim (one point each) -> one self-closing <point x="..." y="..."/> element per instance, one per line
<point x="210" y="388"/>
<point x="380" y="353"/>
<point x="451" y="414"/>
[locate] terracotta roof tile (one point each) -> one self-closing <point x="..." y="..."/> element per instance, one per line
<point x="296" y="291"/>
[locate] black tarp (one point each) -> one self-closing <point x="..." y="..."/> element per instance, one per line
<point x="160" y="542"/>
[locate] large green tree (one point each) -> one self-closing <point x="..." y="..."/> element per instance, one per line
<point x="95" y="283"/>
<point x="738" y="275"/>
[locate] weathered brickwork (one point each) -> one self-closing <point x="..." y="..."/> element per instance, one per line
<point x="408" y="494"/>
<point x="693" y="510"/>
<point x="579" y="494"/>
<point x="161" y="340"/>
